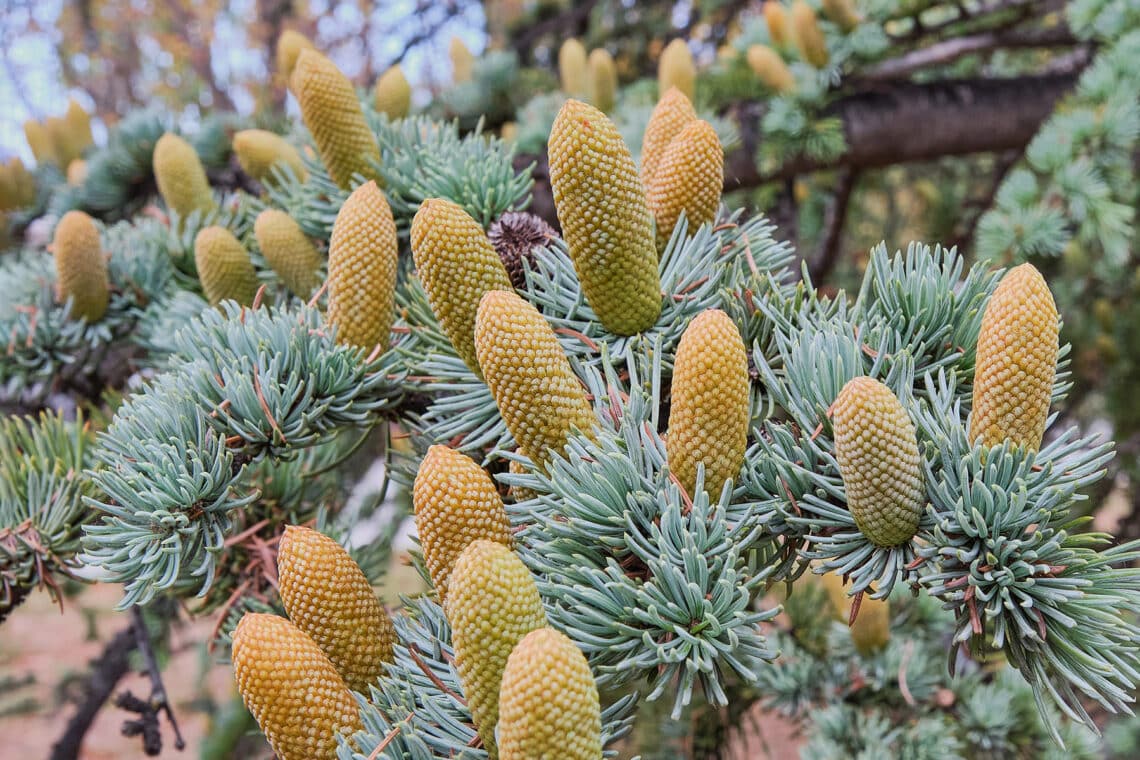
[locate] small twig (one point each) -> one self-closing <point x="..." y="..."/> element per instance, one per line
<point x="414" y="651"/>
<point x="829" y="247"/>
<point x="385" y="742"/>
<point x="158" y="699"/>
<point x="856" y="603"/>
<point x="904" y="689"/>
<point x="1004" y="162"/>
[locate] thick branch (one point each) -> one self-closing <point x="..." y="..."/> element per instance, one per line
<point x="951" y="50"/>
<point x="916" y="122"/>
<point x="106" y="672"/>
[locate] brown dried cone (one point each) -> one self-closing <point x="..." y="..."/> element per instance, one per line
<point x="871" y="629"/>
<point x="842" y="13"/>
<point x="708" y="418"/>
<point x="456" y="503"/>
<point x="180" y="176"/>
<point x="392" y="95"/>
<point x="538" y="395"/>
<point x="770" y="68"/>
<point x="777" y="19"/>
<point x="1016" y="361"/>
<point x="259" y="150"/>
<point x="457" y="265"/>
<point x="289" y="47"/>
<point x="224" y="267"/>
<point x="548" y="702"/>
<point x="492" y="603"/>
<point x="672" y="113"/>
<point x="675" y="69"/>
<point x="462" y="61"/>
<point x="516" y="236"/>
<point x="333" y="115"/>
<point x="362" y="270"/>
<point x="298" y="699"/>
<point x="877" y="450"/>
<point x="573" y="73"/>
<point x="605" y="220"/>
<point x="288" y="250"/>
<point x="328" y="597"/>
<point x="39" y="140"/>
<point x="808" y="36"/>
<point x="81" y="268"/>
<point x="689" y="179"/>
<point x="603" y="80"/>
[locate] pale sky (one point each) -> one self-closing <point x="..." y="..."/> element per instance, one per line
<point x="39" y="91"/>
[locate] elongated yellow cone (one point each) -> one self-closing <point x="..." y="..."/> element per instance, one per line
<point x="180" y="176"/>
<point x="457" y="265"/>
<point x="538" y="395"/>
<point x="777" y="20"/>
<point x="298" y="699"/>
<point x="492" y="603"/>
<point x="672" y="113"/>
<point x="362" y="269"/>
<point x="708" y="419"/>
<point x="328" y="597"/>
<point x="877" y="450"/>
<point x="689" y="179"/>
<point x="770" y="68"/>
<point x="333" y="115"/>
<point x="81" y="268"/>
<point x="572" y="68"/>
<point x="605" y="220"/>
<point x="871" y="630"/>
<point x="676" y="69"/>
<point x="1016" y="361"/>
<point x="289" y="47"/>
<point x="456" y="504"/>
<point x="808" y="36"/>
<point x="259" y="150"/>
<point x="603" y="80"/>
<point x="392" y="94"/>
<point x="548" y="702"/>
<point x="288" y="250"/>
<point x="462" y="61"/>
<point x="224" y="267"/>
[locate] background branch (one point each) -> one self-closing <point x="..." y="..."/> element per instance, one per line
<point x="951" y="50"/>
<point x="829" y="248"/>
<point x="106" y="671"/>
<point x="906" y="122"/>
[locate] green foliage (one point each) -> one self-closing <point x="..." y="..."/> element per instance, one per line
<point x="240" y="387"/>
<point x="42" y="487"/>
<point x="1078" y="188"/>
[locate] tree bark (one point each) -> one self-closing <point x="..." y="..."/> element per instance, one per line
<point x="907" y="122"/>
